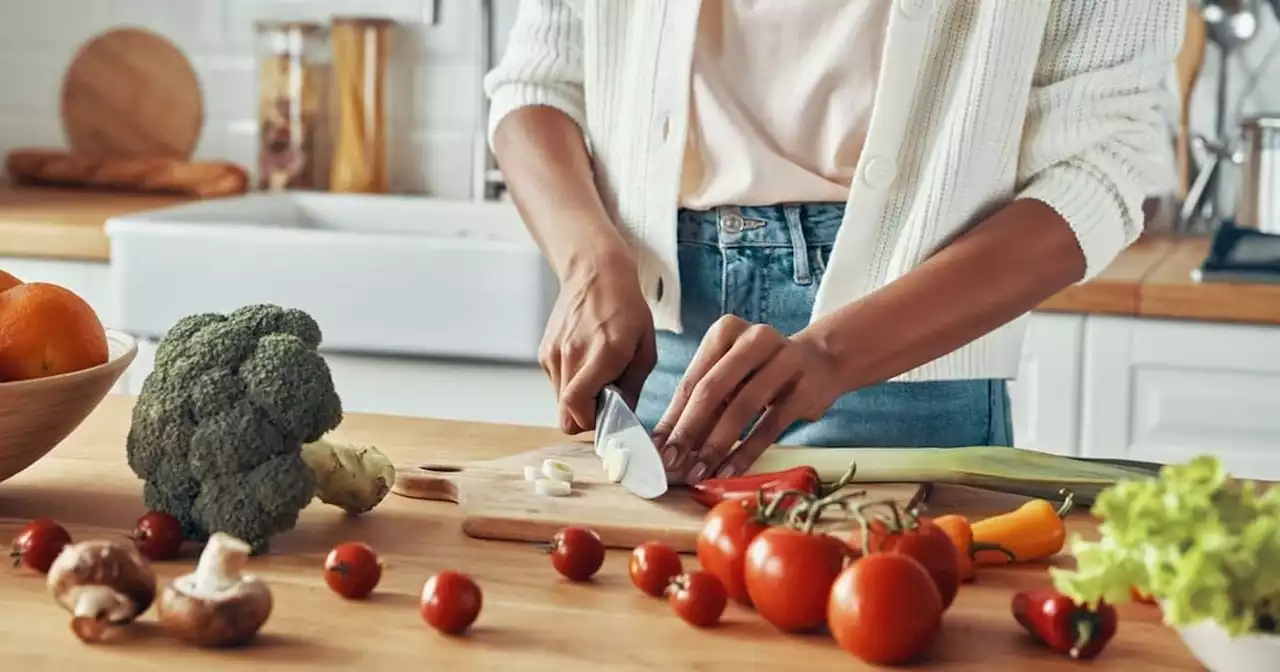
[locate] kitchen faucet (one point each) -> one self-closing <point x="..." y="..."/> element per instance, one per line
<point x="487" y="183"/>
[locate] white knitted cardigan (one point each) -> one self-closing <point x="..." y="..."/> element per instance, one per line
<point x="980" y="102"/>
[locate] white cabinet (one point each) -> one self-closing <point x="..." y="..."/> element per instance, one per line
<point x="454" y="390"/>
<point x="1045" y="398"/>
<point x="1164" y="391"/>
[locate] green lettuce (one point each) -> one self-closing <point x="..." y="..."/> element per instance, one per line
<point x="1205" y="546"/>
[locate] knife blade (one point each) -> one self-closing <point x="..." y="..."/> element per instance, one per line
<point x="618" y="427"/>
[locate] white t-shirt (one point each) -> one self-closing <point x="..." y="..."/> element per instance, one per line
<point x="781" y="93"/>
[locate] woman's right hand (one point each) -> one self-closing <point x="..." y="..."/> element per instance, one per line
<point x="600" y="332"/>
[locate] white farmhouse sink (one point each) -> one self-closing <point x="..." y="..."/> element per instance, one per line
<point x="396" y="275"/>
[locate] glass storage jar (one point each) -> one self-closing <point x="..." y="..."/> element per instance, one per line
<point x="293" y="94"/>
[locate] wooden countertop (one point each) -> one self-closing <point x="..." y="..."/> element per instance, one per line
<point x="66" y="224"/>
<point x="1152" y="279"/>
<point x="531" y="619"/>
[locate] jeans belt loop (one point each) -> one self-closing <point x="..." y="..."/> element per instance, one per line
<point x="799" y="246"/>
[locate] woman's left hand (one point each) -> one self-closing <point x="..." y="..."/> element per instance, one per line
<point x="741" y="371"/>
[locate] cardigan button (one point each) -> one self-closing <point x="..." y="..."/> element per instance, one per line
<point x="915" y="9"/>
<point x="879" y="171"/>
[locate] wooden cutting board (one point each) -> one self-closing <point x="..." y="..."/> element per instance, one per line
<point x="131" y="93"/>
<point x="497" y="503"/>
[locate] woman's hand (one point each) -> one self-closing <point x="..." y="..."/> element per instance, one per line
<point x="600" y="332"/>
<point x="742" y="371"/>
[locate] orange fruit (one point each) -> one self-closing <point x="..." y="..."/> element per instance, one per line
<point x="7" y="281"/>
<point x="47" y="330"/>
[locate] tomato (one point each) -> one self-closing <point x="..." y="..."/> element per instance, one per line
<point x="577" y="553"/>
<point x="885" y="609"/>
<point x="930" y="546"/>
<point x="352" y="570"/>
<point x="653" y="565"/>
<point x="158" y="535"/>
<point x="727" y="530"/>
<point x="698" y="597"/>
<point x="788" y="575"/>
<point x="451" y="602"/>
<point x="39" y="543"/>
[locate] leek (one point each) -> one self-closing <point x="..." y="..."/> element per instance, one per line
<point x="1016" y="471"/>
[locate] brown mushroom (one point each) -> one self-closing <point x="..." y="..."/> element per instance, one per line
<point x="102" y="584"/>
<point x="217" y="605"/>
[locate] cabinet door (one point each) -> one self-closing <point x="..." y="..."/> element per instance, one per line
<point x="1045" y="398"/>
<point x="1165" y="391"/>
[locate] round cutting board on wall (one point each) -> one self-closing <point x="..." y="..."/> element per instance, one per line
<point x="131" y="93"/>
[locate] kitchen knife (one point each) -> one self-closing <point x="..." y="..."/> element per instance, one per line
<point x="618" y="428"/>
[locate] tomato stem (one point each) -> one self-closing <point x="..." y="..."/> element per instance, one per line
<point x="1084" y="633"/>
<point x="846" y="479"/>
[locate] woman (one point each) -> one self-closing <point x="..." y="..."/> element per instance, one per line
<point x="834" y="213"/>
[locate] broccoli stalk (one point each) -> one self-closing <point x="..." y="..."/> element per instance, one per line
<point x="227" y="431"/>
<point x="355" y="478"/>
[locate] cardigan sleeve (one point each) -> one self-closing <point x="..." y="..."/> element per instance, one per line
<point x="1096" y="143"/>
<point x="542" y="64"/>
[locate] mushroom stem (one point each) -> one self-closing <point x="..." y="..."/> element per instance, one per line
<point x="99" y="602"/>
<point x="221" y="564"/>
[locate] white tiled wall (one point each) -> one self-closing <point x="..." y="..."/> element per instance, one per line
<point x="434" y="96"/>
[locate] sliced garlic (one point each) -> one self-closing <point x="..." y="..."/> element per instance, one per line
<point x="556" y="470"/>
<point x="549" y="488"/>
<point x="532" y="474"/>
<point x="615" y="461"/>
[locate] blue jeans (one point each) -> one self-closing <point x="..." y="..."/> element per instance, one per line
<point x="763" y="264"/>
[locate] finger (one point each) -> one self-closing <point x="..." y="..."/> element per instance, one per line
<point x="711" y="350"/>
<point x="632" y="379"/>
<point x="772" y="423"/>
<point x="764" y="388"/>
<point x="573" y="357"/>
<point x="597" y="369"/>
<point x="710" y="398"/>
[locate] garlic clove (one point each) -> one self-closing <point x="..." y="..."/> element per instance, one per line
<point x="532" y="474"/>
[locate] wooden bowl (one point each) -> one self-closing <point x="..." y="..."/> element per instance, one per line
<point x="36" y="415"/>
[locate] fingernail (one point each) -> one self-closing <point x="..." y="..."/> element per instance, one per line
<point x="670" y="455"/>
<point x="726" y="471"/>
<point x="696" y="473"/>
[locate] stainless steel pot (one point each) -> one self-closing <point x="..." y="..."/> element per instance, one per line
<point x="1258" y="206"/>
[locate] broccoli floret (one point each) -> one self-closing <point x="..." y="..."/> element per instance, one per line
<point x="226" y="429"/>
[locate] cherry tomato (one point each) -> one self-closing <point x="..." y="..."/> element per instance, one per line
<point x="727" y="530"/>
<point x="158" y="535"/>
<point x="698" y="597"/>
<point x="930" y="546"/>
<point x="653" y="565"/>
<point x="788" y="575"/>
<point x="451" y="602"/>
<point x="885" y="609"/>
<point x="577" y="553"/>
<point x="352" y="570"/>
<point x="39" y="543"/>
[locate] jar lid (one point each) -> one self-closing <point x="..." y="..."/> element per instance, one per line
<point x="285" y="24"/>
<point x="1264" y="120"/>
<point x="368" y="21"/>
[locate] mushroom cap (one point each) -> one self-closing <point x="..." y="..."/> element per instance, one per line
<point x="228" y="618"/>
<point x="109" y="575"/>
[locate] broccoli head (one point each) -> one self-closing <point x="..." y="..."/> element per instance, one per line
<point x="223" y="427"/>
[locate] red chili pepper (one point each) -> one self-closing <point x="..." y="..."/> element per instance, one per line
<point x="713" y="491"/>
<point x="1062" y="625"/>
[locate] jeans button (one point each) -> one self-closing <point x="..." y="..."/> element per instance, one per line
<point x="732" y="223"/>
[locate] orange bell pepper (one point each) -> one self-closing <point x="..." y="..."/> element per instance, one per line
<point x="960" y="531"/>
<point x="1033" y="531"/>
